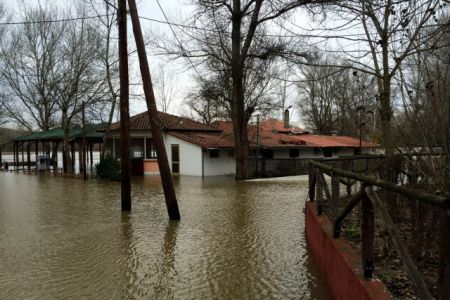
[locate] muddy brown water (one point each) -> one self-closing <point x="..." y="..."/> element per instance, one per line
<point x="64" y="238"/>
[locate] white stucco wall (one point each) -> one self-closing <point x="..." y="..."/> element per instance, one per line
<point x="190" y="155"/>
<point x="222" y="165"/>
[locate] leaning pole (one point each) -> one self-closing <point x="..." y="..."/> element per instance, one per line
<point x="125" y="186"/>
<point x="163" y="163"/>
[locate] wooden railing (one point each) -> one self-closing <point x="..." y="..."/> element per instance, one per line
<point x="368" y="194"/>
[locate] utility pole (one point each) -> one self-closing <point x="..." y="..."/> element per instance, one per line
<point x="163" y="163"/>
<point x="257" y="145"/>
<point x="125" y="187"/>
<point x="83" y="121"/>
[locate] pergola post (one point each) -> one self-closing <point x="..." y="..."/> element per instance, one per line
<point x="28" y="156"/>
<point x="14" y="155"/>
<point x="72" y="146"/>
<point x="55" y="156"/>
<point x="80" y="158"/>
<point x="91" y="156"/>
<point x="23" y="159"/>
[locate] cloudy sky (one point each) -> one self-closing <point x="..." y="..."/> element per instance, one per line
<point x="178" y="70"/>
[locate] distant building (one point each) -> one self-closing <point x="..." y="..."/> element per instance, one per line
<point x="197" y="149"/>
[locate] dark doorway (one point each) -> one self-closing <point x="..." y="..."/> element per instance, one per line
<point x="175" y="159"/>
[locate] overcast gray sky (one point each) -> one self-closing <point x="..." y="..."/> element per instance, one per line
<point x="175" y="10"/>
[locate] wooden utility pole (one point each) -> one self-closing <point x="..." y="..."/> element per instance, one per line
<point x="163" y="163"/>
<point x="83" y="120"/>
<point x="124" y="107"/>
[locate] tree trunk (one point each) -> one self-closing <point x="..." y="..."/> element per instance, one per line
<point x="237" y="102"/>
<point x="241" y="141"/>
<point x="386" y="116"/>
<point x="66" y="156"/>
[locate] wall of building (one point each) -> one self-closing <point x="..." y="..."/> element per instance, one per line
<point x="190" y="155"/>
<point x="151" y="167"/>
<point x="225" y="164"/>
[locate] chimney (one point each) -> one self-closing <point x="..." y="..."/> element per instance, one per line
<point x="286" y="118"/>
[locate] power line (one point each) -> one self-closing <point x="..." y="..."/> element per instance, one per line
<point x="53" y="21"/>
<point x="176" y="37"/>
<point x="166" y="22"/>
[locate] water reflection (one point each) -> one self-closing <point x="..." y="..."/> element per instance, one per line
<point x="65" y="238"/>
<point x="166" y="271"/>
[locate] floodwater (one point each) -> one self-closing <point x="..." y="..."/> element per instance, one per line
<point x="63" y="238"/>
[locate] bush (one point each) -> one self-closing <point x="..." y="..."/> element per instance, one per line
<point x="108" y="168"/>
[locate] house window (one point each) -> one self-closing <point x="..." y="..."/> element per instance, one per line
<point x="214" y="153"/>
<point x="136" y="148"/>
<point x="267" y="153"/>
<point x="150" y="149"/>
<point x="294" y="153"/>
<point x="230" y="153"/>
<point x="327" y="152"/>
<point x="175" y="158"/>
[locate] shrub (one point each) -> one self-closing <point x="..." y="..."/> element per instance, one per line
<point x="108" y="168"/>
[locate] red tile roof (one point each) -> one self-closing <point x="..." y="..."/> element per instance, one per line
<point x="272" y="133"/>
<point x="168" y="122"/>
<point x="269" y="137"/>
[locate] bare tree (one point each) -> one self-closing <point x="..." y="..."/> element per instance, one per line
<point x="209" y="101"/>
<point x="79" y="79"/>
<point x="3" y="97"/>
<point x="330" y="97"/>
<point x="29" y="55"/>
<point x="166" y="88"/>
<point x="392" y="31"/>
<point x="106" y="12"/>
<point x="233" y="39"/>
<point x="425" y="90"/>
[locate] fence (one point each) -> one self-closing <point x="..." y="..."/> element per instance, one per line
<point x="276" y="167"/>
<point x="369" y="195"/>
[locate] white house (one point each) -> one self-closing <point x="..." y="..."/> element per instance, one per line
<point x="197" y="149"/>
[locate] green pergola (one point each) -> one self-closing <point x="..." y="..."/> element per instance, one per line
<point x="83" y="140"/>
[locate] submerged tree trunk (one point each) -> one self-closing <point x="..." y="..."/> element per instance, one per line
<point x="66" y="155"/>
<point x="237" y="102"/>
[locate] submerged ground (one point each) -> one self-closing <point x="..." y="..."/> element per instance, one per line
<point x="63" y="238"/>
